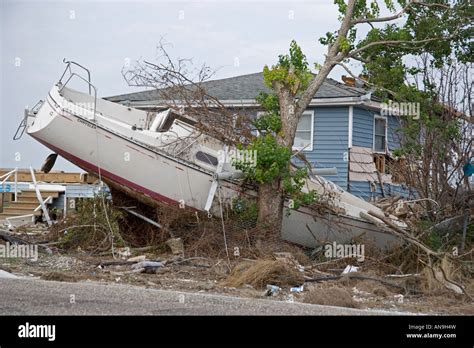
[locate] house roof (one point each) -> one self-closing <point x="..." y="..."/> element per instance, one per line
<point x="244" y="87"/>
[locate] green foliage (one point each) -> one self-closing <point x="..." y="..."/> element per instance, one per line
<point x="269" y="122"/>
<point x="386" y="68"/>
<point x="292" y="70"/>
<point x="273" y="163"/>
<point x="269" y="102"/>
<point x="293" y="186"/>
<point x="245" y="209"/>
<point x="272" y="160"/>
<point x="434" y="240"/>
<point x="452" y="20"/>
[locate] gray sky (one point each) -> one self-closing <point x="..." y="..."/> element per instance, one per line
<point x="235" y="37"/>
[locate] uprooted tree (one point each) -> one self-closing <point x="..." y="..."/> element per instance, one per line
<point x="408" y="28"/>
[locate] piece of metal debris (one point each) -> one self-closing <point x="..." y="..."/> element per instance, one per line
<point x="148" y="266"/>
<point x="350" y="269"/>
<point x="297" y="289"/>
<point x="272" y="290"/>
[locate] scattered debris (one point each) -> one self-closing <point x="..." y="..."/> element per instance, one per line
<point x="59" y="277"/>
<point x="297" y="289"/>
<point x="333" y="296"/>
<point x="137" y="258"/>
<point x="350" y="269"/>
<point x="290" y="259"/>
<point x="147" y="266"/>
<point x="176" y="245"/>
<point x="272" y="290"/>
<point x="123" y="252"/>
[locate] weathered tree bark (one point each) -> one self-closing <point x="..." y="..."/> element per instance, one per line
<point x="270" y="205"/>
<point x="271" y="199"/>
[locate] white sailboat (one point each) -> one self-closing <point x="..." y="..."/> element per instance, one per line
<point x="163" y="157"/>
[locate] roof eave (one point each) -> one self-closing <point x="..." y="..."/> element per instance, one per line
<point x="362" y="100"/>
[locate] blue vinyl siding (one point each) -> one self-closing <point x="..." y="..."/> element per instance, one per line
<point x="362" y="128"/>
<point x="393" y="132"/>
<point x="362" y="135"/>
<point x="330" y="142"/>
<point x="330" y="146"/>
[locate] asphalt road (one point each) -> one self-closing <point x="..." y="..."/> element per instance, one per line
<point x="25" y="296"/>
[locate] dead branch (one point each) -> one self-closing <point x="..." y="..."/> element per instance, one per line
<point x="180" y="85"/>
<point x="403" y="234"/>
<point x="15" y="240"/>
<point x="358" y="277"/>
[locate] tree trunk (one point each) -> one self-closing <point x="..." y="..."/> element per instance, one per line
<point x="270" y="206"/>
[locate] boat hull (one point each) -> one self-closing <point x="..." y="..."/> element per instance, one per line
<point x="105" y="153"/>
<point x="304" y="228"/>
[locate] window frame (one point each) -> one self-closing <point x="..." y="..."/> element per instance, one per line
<point x="310" y="147"/>
<point x="204" y="163"/>
<point x="378" y="117"/>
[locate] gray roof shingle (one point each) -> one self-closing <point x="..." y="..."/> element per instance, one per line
<point x="244" y="87"/>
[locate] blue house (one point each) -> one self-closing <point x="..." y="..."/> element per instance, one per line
<point x="342" y="128"/>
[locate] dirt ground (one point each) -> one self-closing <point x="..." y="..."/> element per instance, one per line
<point x="200" y="274"/>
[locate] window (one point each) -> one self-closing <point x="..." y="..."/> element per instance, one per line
<point x="304" y="133"/>
<point x="380" y="134"/>
<point x="206" y="158"/>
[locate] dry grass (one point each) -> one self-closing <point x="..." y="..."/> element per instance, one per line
<point x="432" y="284"/>
<point x="59" y="277"/>
<point x="263" y="272"/>
<point x="330" y="296"/>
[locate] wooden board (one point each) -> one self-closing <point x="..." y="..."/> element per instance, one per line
<point x="362" y="166"/>
<point x="52" y="177"/>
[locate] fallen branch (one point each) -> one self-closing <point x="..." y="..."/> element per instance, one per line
<point x="448" y="283"/>
<point x="15" y="240"/>
<point x="402" y="275"/>
<point x="359" y="277"/>
<point x="403" y="234"/>
<point x="119" y="262"/>
<point x="452" y="285"/>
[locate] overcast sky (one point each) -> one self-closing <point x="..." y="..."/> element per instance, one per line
<point x="235" y="37"/>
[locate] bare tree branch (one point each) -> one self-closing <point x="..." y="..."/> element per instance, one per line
<point x="398" y="14"/>
<point x="357" y="51"/>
